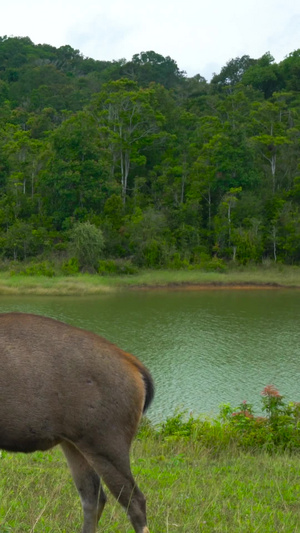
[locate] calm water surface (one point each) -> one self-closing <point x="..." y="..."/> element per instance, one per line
<point x="204" y="348"/>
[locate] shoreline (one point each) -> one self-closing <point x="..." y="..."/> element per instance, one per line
<point x="210" y="286"/>
<point x="93" y="284"/>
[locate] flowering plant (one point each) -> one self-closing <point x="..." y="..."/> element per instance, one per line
<point x="280" y="426"/>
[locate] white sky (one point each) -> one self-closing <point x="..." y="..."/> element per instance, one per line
<point x="200" y="35"/>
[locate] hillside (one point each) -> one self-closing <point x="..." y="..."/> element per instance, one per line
<point x="144" y="164"/>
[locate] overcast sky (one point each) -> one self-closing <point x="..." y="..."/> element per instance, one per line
<point x="200" y="35"/>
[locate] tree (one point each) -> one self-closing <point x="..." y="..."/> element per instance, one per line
<point x="152" y="158"/>
<point x="147" y="234"/>
<point x="75" y="182"/>
<point x="148" y="67"/>
<point x="223" y="221"/>
<point x="271" y="125"/>
<point x="290" y="71"/>
<point x="86" y="244"/>
<point x="22" y="240"/>
<point x="233" y="72"/>
<point x="26" y="156"/>
<point x="264" y="75"/>
<point x="127" y="121"/>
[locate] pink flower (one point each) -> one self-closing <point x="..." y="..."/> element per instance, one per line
<point x="245" y="413"/>
<point x="270" y="390"/>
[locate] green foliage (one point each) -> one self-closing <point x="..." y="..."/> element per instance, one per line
<point x="264" y="75"/>
<point x="166" y="165"/>
<point x="152" y="253"/>
<point x="148" y="238"/>
<point x="240" y="427"/>
<point x="86" y="243"/>
<point x="179" y="425"/>
<point x="22" y="240"/>
<point x="205" y="262"/>
<point x="45" y="268"/>
<point x="70" y="267"/>
<point x="116" y="266"/>
<point x="279" y="429"/>
<point x="146" y="429"/>
<point x="177" y="263"/>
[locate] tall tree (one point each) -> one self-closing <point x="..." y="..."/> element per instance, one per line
<point x="127" y="121"/>
<point x="75" y="180"/>
<point x="271" y="138"/>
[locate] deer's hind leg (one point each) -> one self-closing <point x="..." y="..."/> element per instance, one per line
<point x="115" y="472"/>
<point x="89" y="487"/>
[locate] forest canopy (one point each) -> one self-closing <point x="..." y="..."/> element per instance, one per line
<point x="160" y="169"/>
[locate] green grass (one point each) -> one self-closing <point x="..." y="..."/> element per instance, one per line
<point x="275" y="275"/>
<point x="188" y="488"/>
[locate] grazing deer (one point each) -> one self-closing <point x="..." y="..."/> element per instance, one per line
<point x="62" y="385"/>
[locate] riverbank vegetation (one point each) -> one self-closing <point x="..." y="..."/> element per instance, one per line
<point x="32" y="279"/>
<point x="223" y="475"/>
<point x="112" y="166"/>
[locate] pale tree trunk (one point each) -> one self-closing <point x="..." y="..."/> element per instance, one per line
<point x="234" y="253"/>
<point x="274" y="233"/>
<point x="125" y="167"/>
<point x="272" y="161"/>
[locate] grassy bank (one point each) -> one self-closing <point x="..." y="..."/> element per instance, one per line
<point x="188" y="488"/>
<point x="230" y="474"/>
<point x="280" y="276"/>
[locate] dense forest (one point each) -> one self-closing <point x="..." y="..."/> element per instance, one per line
<point x="134" y="161"/>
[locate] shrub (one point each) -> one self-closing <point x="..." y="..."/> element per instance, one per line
<point x="116" y="266"/>
<point x="212" y="434"/>
<point x="70" y="267"/>
<point x="240" y="427"/>
<point x="36" y="269"/>
<point x="214" y="264"/>
<point x="178" y="426"/>
<point x="177" y="263"/>
<point x="86" y="244"/>
<point x="280" y="428"/>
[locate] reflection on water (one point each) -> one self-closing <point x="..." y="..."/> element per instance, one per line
<point x="203" y="348"/>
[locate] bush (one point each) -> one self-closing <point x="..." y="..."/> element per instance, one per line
<point x="36" y="269"/>
<point x="152" y="253"/>
<point x="209" y="264"/>
<point x="86" y="244"/>
<point x="212" y="434"/>
<point x="279" y="429"/>
<point x="177" y="263"/>
<point x="240" y="427"/>
<point x="180" y="425"/>
<point x="116" y="266"/>
<point x="70" y="267"/>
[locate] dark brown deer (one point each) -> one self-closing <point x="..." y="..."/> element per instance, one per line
<point x="62" y="385"/>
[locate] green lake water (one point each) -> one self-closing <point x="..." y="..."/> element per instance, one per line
<point x="203" y="348"/>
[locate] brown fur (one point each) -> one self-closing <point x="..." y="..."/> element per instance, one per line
<point x="63" y="385"/>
